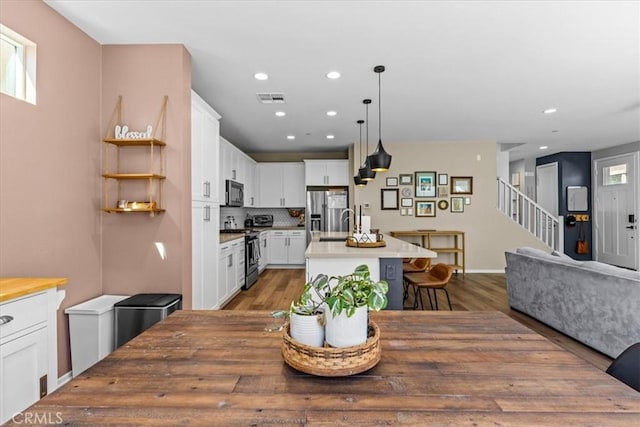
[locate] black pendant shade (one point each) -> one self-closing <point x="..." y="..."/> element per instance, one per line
<point x="365" y="172"/>
<point x="357" y="180"/>
<point x="380" y="160"/>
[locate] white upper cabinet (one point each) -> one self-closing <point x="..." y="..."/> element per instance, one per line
<point x="281" y="185"/>
<point x="237" y="166"/>
<point x="205" y="131"/>
<point x="326" y="172"/>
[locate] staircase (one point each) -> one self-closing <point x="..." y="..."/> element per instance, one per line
<point x="530" y="216"/>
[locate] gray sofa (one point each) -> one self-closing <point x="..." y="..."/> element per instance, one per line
<point x="594" y="303"/>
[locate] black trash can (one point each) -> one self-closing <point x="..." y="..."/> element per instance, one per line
<point x="139" y="312"/>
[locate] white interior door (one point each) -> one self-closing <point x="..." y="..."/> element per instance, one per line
<point x="616" y="208"/>
<point x="547" y="187"/>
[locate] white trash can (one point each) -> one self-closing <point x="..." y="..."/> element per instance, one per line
<point x="91" y="331"/>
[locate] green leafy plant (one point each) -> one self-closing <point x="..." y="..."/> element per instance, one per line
<point x="355" y="290"/>
<point x="312" y="297"/>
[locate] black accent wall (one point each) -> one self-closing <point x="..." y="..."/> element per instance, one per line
<point x="574" y="168"/>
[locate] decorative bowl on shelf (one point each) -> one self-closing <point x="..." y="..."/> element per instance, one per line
<point x="295" y="213"/>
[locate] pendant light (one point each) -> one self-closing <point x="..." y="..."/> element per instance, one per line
<point x="380" y="160"/>
<point x="365" y="172"/>
<point x="358" y="181"/>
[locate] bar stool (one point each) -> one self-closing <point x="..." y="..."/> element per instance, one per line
<point x="437" y="279"/>
<point x="417" y="265"/>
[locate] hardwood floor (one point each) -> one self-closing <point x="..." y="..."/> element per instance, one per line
<point x="275" y="289"/>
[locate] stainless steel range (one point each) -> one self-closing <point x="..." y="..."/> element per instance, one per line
<point x="251" y="253"/>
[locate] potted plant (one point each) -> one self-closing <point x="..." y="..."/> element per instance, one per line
<point x="348" y="300"/>
<point x="307" y="315"/>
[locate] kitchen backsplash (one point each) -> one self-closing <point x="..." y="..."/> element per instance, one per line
<point x="281" y="217"/>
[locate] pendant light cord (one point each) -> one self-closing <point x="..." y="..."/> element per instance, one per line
<point x="361" y="162"/>
<point x="379" y="110"/>
<point x="367" y="121"/>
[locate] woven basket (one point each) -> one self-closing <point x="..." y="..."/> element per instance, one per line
<point x="332" y="362"/>
<point x="355" y="244"/>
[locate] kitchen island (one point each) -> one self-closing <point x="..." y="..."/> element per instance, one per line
<point x="221" y="368"/>
<point x="328" y="254"/>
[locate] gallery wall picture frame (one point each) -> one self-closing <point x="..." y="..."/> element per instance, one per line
<point x="392" y="181"/>
<point x="425" y="184"/>
<point x="406" y="202"/>
<point x="443" y="205"/>
<point x="426" y="208"/>
<point x="443" y="179"/>
<point x="457" y="204"/>
<point x="389" y="199"/>
<point x="461" y="185"/>
<point x="467" y="201"/>
<point x="443" y="191"/>
<point x="406" y="179"/>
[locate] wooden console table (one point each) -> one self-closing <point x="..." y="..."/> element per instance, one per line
<point x="457" y="249"/>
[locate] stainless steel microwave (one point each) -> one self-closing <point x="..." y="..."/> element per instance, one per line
<point x="234" y="193"/>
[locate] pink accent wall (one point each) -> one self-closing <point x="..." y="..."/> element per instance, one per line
<point x="51" y="165"/>
<point x="50" y="162"/>
<point x="143" y="74"/>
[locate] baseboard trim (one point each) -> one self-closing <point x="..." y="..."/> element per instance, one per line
<point x="489" y="271"/>
<point x="286" y="266"/>
<point x="65" y="379"/>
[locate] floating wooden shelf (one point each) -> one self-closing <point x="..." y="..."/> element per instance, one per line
<point x="118" y="210"/>
<point x="133" y="176"/>
<point x="134" y="142"/>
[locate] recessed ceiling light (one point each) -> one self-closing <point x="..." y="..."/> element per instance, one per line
<point x="543" y="147"/>
<point x="554" y="131"/>
<point x="260" y="76"/>
<point x="333" y="75"/>
<point x="280" y="113"/>
<point x="331" y="113"/>
<point x="291" y="137"/>
<point x="550" y="110"/>
<point x="331" y="136"/>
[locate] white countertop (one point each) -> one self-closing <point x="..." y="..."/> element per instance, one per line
<point x="395" y="248"/>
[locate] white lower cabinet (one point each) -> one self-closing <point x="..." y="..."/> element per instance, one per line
<point x="24" y="355"/>
<point x="231" y="274"/>
<point x="264" y="251"/>
<point x="287" y="246"/>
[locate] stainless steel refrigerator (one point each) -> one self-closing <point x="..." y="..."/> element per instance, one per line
<point x="324" y="210"/>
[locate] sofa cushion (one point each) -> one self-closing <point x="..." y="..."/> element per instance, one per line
<point x="561" y="258"/>
<point x="611" y="270"/>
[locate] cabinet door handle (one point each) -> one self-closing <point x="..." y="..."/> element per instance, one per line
<point x="207" y="213"/>
<point x="230" y="258"/>
<point x="251" y="200"/>
<point x="5" y="319"/>
<point x="207" y="189"/>
<point x="233" y="172"/>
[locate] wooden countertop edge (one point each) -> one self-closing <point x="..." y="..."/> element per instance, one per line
<point x="14" y="287"/>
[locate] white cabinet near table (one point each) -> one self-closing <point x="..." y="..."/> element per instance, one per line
<point x="205" y="132"/>
<point x="264" y="251"/>
<point x="286" y="247"/>
<point x="281" y="185"/>
<point x="326" y="172"/>
<point x="231" y="274"/>
<point x="28" y="350"/>
<point x="205" y="220"/>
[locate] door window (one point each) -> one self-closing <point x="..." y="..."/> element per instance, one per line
<point x="614" y="175"/>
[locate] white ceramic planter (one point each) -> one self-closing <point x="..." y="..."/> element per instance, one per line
<point x="307" y="330"/>
<point x="343" y="331"/>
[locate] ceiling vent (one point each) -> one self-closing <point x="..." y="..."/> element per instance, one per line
<point x="271" y="98"/>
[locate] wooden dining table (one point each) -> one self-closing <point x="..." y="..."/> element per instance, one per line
<point x="437" y="368"/>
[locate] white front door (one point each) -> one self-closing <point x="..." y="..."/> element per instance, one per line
<point x="616" y="207"/>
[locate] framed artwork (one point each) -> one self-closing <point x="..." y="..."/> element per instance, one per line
<point x="443" y="205"/>
<point x="457" y="204"/>
<point x="443" y="179"/>
<point x="389" y="199"/>
<point x="406" y="192"/>
<point x="461" y="185"/>
<point x="392" y="181"/>
<point x="406" y="203"/>
<point x="425" y="184"/>
<point x="406" y="179"/>
<point x="443" y="191"/>
<point x="425" y="208"/>
<point x="467" y="201"/>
